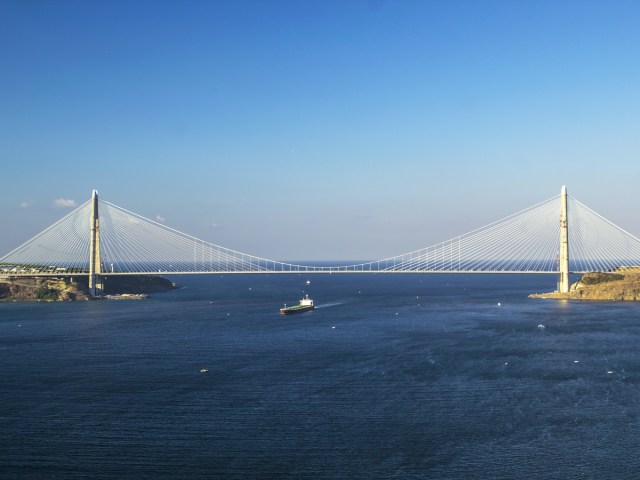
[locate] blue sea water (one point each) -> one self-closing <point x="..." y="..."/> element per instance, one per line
<point x="392" y="376"/>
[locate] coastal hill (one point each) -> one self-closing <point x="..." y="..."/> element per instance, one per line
<point x="623" y="283"/>
<point x="54" y="289"/>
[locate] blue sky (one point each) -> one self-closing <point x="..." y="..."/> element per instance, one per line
<point x="318" y="129"/>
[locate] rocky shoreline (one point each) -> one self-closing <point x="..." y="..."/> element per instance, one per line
<point x="63" y="289"/>
<point x="621" y="284"/>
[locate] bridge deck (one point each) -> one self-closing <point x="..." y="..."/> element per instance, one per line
<point x="292" y="272"/>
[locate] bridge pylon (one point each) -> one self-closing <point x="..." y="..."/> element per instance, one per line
<point x="563" y="284"/>
<point x="95" y="267"/>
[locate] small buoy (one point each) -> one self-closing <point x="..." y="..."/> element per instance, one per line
<point x="499" y="304"/>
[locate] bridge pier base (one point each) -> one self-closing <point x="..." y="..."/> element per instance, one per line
<point x="96" y="285"/>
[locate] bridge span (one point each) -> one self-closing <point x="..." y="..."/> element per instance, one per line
<point x="557" y="236"/>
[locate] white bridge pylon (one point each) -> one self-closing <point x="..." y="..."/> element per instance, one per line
<point x="524" y="242"/>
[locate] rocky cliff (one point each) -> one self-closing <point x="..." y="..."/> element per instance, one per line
<point x="620" y="284"/>
<point x="63" y="289"/>
<point x="41" y="289"/>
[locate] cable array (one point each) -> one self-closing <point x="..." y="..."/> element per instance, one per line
<point x="596" y="244"/>
<point x="526" y="241"/>
<point x="62" y="247"/>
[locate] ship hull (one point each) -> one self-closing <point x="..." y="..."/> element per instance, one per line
<point x="297" y="309"/>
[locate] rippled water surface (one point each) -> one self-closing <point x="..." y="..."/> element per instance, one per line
<point x="403" y="376"/>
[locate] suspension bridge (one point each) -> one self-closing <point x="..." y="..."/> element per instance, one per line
<point x="559" y="235"/>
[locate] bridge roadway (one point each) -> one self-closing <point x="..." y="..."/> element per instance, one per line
<point x="288" y="272"/>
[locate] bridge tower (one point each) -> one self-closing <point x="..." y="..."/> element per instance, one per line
<point x="563" y="284"/>
<point x="95" y="267"/>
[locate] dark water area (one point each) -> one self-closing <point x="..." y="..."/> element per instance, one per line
<point x="391" y="376"/>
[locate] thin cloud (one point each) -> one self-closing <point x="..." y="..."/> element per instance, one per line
<point x="215" y="225"/>
<point x="64" y="203"/>
<point x="25" y="204"/>
<point x="160" y="218"/>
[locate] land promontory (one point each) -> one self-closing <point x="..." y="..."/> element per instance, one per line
<point x="623" y="283"/>
<point x="54" y="289"/>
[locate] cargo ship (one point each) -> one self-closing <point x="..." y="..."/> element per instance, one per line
<point x="306" y="304"/>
